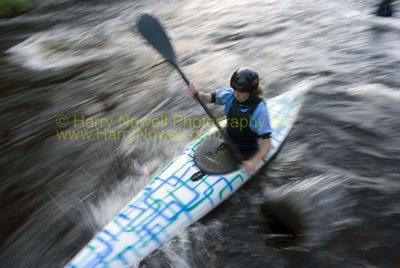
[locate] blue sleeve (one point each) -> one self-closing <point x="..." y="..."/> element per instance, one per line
<point x="260" y="122"/>
<point x="224" y="96"/>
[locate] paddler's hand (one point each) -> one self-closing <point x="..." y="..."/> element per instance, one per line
<point x="248" y="166"/>
<point x="191" y="90"/>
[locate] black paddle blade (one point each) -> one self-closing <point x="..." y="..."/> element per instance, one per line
<point x="151" y="29"/>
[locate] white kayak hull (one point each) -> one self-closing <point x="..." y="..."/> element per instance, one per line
<point x="172" y="201"/>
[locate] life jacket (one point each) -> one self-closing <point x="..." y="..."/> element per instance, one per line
<point x="238" y="127"/>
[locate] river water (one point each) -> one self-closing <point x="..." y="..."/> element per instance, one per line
<point x="330" y="198"/>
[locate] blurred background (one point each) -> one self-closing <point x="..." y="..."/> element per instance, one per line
<point x="336" y="177"/>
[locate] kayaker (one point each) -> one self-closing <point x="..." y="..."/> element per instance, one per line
<point x="385" y="9"/>
<point x="247" y="115"/>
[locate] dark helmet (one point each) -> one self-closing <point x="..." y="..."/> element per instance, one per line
<point x="245" y="80"/>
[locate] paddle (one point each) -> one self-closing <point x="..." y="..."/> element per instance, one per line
<point x="151" y="29"/>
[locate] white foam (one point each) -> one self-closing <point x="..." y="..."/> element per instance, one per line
<point x="58" y="49"/>
<point x="66" y="47"/>
<point x="375" y="92"/>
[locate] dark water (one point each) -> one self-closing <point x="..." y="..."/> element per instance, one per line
<point x="330" y="198"/>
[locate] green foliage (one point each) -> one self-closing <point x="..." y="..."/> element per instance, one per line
<point x="10" y="8"/>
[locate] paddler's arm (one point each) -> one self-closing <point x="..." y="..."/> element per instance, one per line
<point x="192" y="89"/>
<point x="250" y="164"/>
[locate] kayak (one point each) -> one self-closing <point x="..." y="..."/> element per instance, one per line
<point x="172" y="201"/>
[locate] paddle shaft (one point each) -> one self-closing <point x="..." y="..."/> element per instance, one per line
<point x="154" y="33"/>
<point x="150" y="28"/>
<point x="227" y="140"/>
<point x="197" y="96"/>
